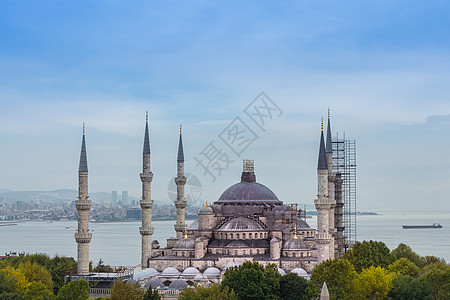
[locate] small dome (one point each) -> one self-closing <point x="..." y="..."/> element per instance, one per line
<point x="169" y="272"/>
<point x="193" y="225"/>
<point x="200" y="277"/>
<point x="231" y="264"/>
<point x="139" y="275"/>
<point x="190" y="271"/>
<point x="212" y="272"/>
<point x="241" y="224"/>
<point x="178" y="284"/>
<point x="300" y="272"/>
<point x="295" y="244"/>
<point x="237" y="244"/>
<point x="154" y="284"/>
<point x="150" y="272"/>
<point x="184" y="244"/>
<point x="281" y="271"/>
<point x="206" y="210"/>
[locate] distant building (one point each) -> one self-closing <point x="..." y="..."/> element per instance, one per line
<point x="125" y="198"/>
<point x="133" y="213"/>
<point x="114" y="197"/>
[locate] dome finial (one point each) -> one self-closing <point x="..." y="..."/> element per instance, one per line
<point x="295" y="231"/>
<point x="206" y="205"/>
<point x="185" y="231"/>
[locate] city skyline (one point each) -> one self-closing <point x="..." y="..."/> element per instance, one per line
<point x="381" y="67"/>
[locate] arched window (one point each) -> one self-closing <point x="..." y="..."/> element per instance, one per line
<point x="250" y="235"/>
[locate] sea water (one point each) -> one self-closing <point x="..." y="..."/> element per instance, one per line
<point x="119" y="244"/>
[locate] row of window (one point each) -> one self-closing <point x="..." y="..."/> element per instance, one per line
<point x="241" y="236"/>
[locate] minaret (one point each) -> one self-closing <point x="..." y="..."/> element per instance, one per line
<point x="83" y="204"/>
<point x="331" y="180"/>
<point x="323" y="206"/>
<point x="180" y="180"/>
<point x="146" y="230"/>
<point x="335" y="182"/>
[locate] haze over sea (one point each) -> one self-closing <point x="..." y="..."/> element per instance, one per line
<point x="120" y="243"/>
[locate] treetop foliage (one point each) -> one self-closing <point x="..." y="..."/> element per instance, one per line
<point x="365" y="254"/>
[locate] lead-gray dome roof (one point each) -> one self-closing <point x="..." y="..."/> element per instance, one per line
<point x="170" y="271"/>
<point x="241" y="224"/>
<point x="154" y="283"/>
<point x="184" y="244"/>
<point x="295" y="244"/>
<point x="178" y="284"/>
<point x="248" y="191"/>
<point x="212" y="272"/>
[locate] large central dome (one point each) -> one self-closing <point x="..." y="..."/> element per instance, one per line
<point x="248" y="190"/>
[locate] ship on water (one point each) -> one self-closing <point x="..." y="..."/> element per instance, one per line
<point x="435" y="225"/>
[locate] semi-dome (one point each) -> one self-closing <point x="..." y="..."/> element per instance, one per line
<point x="241" y="224"/>
<point x="178" y="284"/>
<point x="295" y="244"/>
<point x="184" y="244"/>
<point x="169" y="272"/>
<point x="301" y="224"/>
<point x="237" y="244"/>
<point x="212" y="272"/>
<point x="193" y="225"/>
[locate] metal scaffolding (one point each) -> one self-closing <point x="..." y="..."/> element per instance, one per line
<point x="344" y="162"/>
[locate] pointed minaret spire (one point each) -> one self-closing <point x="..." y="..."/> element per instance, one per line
<point x="180" y="149"/>
<point x="146" y="202"/>
<point x="83" y="204"/>
<point x="146" y="137"/>
<point x="322" y="164"/>
<point x="329" y="145"/>
<point x="180" y="181"/>
<point x="83" y="157"/>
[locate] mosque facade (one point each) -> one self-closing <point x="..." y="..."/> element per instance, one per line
<point x="246" y="223"/>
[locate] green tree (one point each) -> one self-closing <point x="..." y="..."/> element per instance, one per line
<point x="151" y="295"/>
<point x="405" y="267"/>
<point x="340" y="276"/>
<point x="373" y="283"/>
<point x="74" y="290"/>
<point x="213" y="292"/>
<point x="11" y="296"/>
<point x="37" y="291"/>
<point x="102" y="268"/>
<point x="292" y="287"/>
<point x="365" y="254"/>
<point x="428" y="260"/>
<point x="405" y="251"/>
<point x="438" y="279"/>
<point x="21" y="282"/>
<point x="8" y="283"/>
<point x="405" y="287"/>
<point x="252" y="281"/>
<point x="126" y="291"/>
<point x="36" y="273"/>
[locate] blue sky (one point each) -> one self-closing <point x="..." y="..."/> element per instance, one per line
<point x="381" y="66"/>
